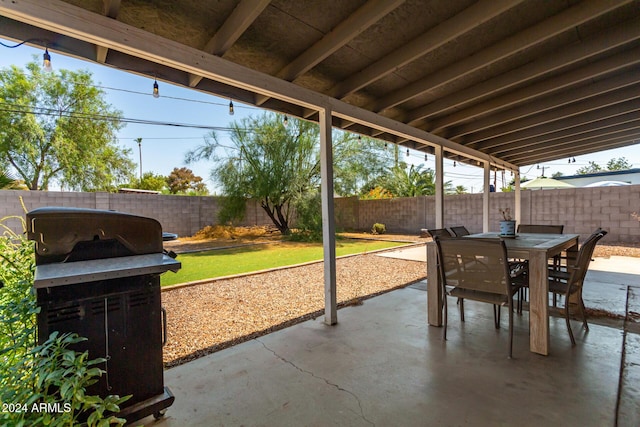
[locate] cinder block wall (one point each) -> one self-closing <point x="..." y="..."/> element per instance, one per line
<point x="184" y="215"/>
<point x="581" y="210"/>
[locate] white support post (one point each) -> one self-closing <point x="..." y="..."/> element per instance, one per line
<point x="328" y="218"/>
<point x="518" y="195"/>
<point x="485" y="197"/>
<point x="439" y="187"/>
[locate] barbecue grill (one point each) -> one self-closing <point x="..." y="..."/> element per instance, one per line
<point x="98" y="275"/>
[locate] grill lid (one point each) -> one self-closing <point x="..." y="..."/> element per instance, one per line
<point x="74" y="234"/>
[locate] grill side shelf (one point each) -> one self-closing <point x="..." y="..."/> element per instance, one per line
<point x="61" y="274"/>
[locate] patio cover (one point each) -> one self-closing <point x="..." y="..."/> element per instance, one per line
<point x="493" y="83"/>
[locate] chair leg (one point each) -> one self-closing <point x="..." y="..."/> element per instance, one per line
<point x="496" y="316"/>
<point x="444" y="323"/>
<point x="583" y="312"/>
<point x="566" y="317"/>
<point x="511" y="333"/>
<point x="461" y="309"/>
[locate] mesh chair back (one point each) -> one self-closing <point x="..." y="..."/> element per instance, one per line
<point x="540" y="228"/>
<point x="442" y="233"/>
<point x="460" y="231"/>
<point x="475" y="264"/>
<point x="584" y="258"/>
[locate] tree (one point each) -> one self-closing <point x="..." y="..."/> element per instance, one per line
<point x="268" y="161"/>
<point x="8" y="182"/>
<point x="412" y="181"/>
<point x="56" y="127"/>
<point x="592" y="167"/>
<point x="460" y="189"/>
<point x="359" y="163"/>
<point x="149" y="181"/>
<point x="621" y="163"/>
<point x="183" y="180"/>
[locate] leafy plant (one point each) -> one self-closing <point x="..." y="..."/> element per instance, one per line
<point x="378" y="228"/>
<point x="506" y="214"/>
<point x="41" y="384"/>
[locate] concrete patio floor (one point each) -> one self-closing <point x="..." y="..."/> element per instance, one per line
<point x="383" y="365"/>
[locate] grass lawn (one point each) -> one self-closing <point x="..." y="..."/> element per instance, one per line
<point x="224" y="262"/>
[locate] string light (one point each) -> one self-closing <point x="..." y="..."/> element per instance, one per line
<point x="425" y="157"/>
<point x="454" y="164"/>
<point x="46" y="60"/>
<point x="156" y="92"/>
<point x="231" y="112"/>
<point x="572" y="160"/>
<point x="286" y="120"/>
<point x="407" y="152"/>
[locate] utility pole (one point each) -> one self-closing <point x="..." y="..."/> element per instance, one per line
<point x="139" y="141"/>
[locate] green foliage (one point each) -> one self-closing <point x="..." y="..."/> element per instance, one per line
<point x="412" y="182"/>
<point x="358" y="163"/>
<point x="8" y="182"/>
<point x="183" y="181"/>
<point x="592" y="167"/>
<point x="377" y="193"/>
<point x="50" y="374"/>
<point x="58" y="128"/>
<point x="269" y="161"/>
<point x="149" y="181"/>
<point x="378" y="228"/>
<point x="460" y="189"/>
<point x="308" y="209"/>
<point x="621" y="163"/>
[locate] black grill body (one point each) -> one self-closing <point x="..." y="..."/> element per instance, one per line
<point x="98" y="275"/>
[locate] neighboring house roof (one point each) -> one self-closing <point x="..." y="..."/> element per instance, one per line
<point x="628" y="176"/>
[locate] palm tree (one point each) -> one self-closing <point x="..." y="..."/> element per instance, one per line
<point x="7" y="182"/>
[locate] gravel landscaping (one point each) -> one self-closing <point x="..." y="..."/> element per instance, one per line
<point x="208" y="317"/>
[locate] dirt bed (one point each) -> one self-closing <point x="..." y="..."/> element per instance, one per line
<point x="208" y="317"/>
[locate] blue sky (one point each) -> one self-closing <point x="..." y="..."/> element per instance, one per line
<point x="164" y="147"/>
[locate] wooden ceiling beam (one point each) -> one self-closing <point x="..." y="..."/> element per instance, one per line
<point x="540" y="120"/>
<point x="603" y="117"/>
<point x="462" y="23"/>
<point x="532" y="36"/>
<point x="240" y="19"/>
<point x="533" y="109"/>
<point x="602" y="143"/>
<point x="584" y="49"/>
<point x="547" y="94"/>
<point x="110" y="9"/>
<point x="367" y="15"/>
<point x="620" y="129"/>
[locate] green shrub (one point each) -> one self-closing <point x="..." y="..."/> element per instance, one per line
<point x="378" y="228"/>
<point x="308" y="209"/>
<point x="50" y="376"/>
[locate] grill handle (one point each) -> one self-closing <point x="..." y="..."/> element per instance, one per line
<point x="164" y="326"/>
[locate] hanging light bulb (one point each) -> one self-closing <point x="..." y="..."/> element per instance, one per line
<point x="46" y="60"/>
<point x="156" y="92"/>
<point x="385" y="145"/>
<point x="359" y="139"/>
<point x="286" y="120"/>
<point x="231" y="112"/>
<point x="454" y="163"/>
<point x="573" y="160"/>
<point x="425" y="157"/>
<point x="407" y="152"/>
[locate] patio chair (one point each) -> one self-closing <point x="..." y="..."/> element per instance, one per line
<point x="477" y="269"/>
<point x="442" y="233"/>
<point x="540" y="228"/>
<point x="570" y="280"/>
<point x="459" y="231"/>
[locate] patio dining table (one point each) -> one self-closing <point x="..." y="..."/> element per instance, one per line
<point x="537" y="248"/>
